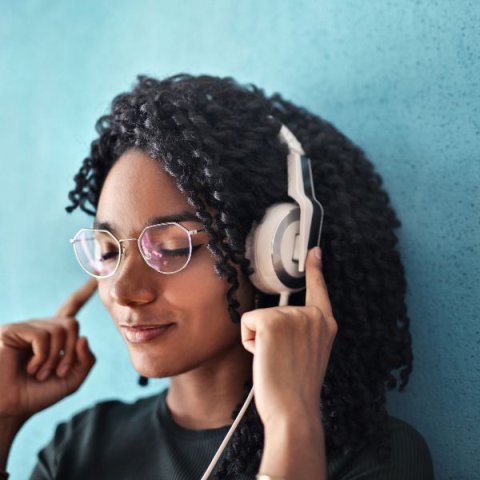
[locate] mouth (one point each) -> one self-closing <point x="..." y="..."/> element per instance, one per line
<point x="145" y="333"/>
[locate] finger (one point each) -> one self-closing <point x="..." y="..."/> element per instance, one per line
<point x="84" y="361"/>
<point x="259" y="323"/>
<point x="248" y="330"/>
<point x="78" y="299"/>
<point x="316" y="292"/>
<point x="85" y="356"/>
<point x="68" y="358"/>
<point x="57" y="343"/>
<point x="40" y="344"/>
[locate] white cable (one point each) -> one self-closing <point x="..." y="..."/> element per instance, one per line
<point x="284" y="296"/>
<point x="228" y="436"/>
<point x="283" y="301"/>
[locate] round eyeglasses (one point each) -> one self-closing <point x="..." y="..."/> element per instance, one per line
<point x="165" y="247"/>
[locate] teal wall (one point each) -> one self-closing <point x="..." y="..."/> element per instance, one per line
<point x="400" y="78"/>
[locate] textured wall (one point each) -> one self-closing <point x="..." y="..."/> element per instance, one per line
<point x="400" y="78"/>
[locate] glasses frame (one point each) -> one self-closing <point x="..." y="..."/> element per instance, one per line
<point x="121" y="249"/>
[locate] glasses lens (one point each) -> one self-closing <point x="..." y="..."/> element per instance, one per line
<point x="97" y="251"/>
<point x="166" y="248"/>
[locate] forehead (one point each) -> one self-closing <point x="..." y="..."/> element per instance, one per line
<point x="136" y="191"/>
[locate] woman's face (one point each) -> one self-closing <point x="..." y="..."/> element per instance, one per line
<point x="141" y="301"/>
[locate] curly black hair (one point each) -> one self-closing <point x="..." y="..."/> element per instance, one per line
<point x="219" y="141"/>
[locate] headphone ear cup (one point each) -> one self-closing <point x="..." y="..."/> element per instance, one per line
<point x="272" y="249"/>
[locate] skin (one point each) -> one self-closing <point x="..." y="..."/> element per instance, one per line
<point x="34" y="374"/>
<point x="203" y="352"/>
<point x="207" y="356"/>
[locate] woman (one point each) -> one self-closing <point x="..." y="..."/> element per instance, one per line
<point x="199" y="158"/>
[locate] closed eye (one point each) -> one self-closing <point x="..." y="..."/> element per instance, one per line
<point x="109" y="255"/>
<point x="177" y="252"/>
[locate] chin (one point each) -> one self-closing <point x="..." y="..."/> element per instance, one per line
<point x="149" y="367"/>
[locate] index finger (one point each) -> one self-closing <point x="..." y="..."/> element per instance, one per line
<point x="77" y="299"/>
<point x="316" y="293"/>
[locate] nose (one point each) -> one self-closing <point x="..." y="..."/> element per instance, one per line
<point x="132" y="283"/>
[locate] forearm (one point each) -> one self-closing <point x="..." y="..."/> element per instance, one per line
<point x="8" y="431"/>
<point x="295" y="450"/>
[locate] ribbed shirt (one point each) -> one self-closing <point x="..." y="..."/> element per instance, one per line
<point x="141" y="441"/>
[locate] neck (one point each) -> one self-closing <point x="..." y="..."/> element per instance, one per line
<point x="206" y="396"/>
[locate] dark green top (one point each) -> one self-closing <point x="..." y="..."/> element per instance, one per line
<point x="140" y="441"/>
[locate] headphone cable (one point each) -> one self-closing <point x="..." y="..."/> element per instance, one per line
<point x="283" y="301"/>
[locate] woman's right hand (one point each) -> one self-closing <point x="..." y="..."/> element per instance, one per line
<point x="43" y="361"/>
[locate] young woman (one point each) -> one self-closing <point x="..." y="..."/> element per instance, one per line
<point x="194" y="162"/>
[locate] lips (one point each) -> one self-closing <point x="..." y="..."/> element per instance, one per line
<point x="145" y="333"/>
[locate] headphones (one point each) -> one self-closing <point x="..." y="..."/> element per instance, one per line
<point x="277" y="246"/>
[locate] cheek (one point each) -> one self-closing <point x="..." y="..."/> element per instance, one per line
<point x="198" y="290"/>
<point x="103" y="294"/>
<point x="200" y="301"/>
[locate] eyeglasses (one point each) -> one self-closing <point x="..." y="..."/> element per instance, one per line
<point x="165" y="247"/>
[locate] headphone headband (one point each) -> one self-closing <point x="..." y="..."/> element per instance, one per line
<point x="277" y="247"/>
<point x="300" y="189"/>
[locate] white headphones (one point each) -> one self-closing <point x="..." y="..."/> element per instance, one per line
<point x="277" y="246"/>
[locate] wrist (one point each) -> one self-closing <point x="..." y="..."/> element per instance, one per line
<point x="9" y="427"/>
<point x="294" y="429"/>
<point x="297" y="416"/>
<point x="294" y="448"/>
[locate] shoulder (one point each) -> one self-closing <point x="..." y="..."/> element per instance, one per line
<point x="402" y="432"/>
<point x="93" y="439"/>
<point x="407" y="443"/>
<point x="409" y="458"/>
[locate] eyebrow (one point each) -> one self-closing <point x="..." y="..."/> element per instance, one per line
<point x="176" y="217"/>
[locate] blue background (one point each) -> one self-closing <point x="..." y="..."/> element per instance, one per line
<point x="400" y="78"/>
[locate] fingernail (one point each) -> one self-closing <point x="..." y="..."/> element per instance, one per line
<point x="43" y="375"/>
<point x="318" y="253"/>
<point x="63" y="370"/>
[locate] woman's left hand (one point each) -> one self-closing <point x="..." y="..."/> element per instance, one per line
<point x="291" y="347"/>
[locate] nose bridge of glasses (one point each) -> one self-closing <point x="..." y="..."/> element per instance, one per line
<point x="122" y="240"/>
